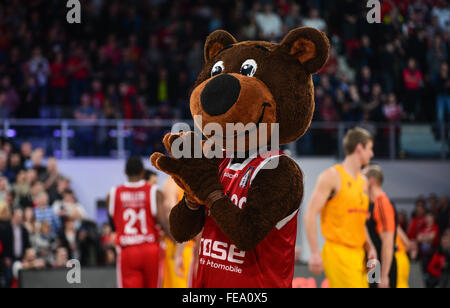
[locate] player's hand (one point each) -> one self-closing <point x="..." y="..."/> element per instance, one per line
<point x="372" y="254"/>
<point x="179" y="265"/>
<point x="384" y="284"/>
<point x="316" y="264"/>
<point x="198" y="177"/>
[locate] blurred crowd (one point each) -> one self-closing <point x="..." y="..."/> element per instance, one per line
<point x="41" y="223"/>
<point x="429" y="232"/>
<point x="138" y="59"/>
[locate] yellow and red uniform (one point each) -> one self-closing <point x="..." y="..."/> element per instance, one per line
<point x="343" y="225"/>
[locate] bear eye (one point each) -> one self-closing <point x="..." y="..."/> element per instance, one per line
<point x="217" y="69"/>
<point x="249" y="68"/>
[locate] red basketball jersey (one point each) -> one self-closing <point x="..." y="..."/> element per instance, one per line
<point x="132" y="207"/>
<point x="270" y="264"/>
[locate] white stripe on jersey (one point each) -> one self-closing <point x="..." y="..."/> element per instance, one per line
<point x="283" y="222"/>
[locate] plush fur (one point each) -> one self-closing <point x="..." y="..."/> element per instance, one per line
<point x="281" y="91"/>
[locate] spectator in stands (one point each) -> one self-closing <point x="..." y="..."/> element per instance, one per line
<point x="36" y="188"/>
<point x="4" y="112"/>
<point x="29" y="261"/>
<point x="45" y="213"/>
<point x="437" y="269"/>
<point x="11" y="98"/>
<point x="403" y="220"/>
<point x="374" y="104"/>
<point x="315" y="21"/>
<point x="110" y="257"/>
<point x="436" y="55"/>
<point x="69" y="208"/>
<point x="26" y="149"/>
<point x="392" y="111"/>
<point x="68" y="238"/>
<point x="85" y="134"/>
<point x="44" y="242"/>
<point x="31" y="100"/>
<point x="40" y="69"/>
<point x="442" y="87"/>
<point x="29" y="221"/>
<point x="22" y="189"/>
<point x="428" y="238"/>
<point x="433" y="204"/>
<point x="293" y="18"/>
<point x="61" y="258"/>
<point x="62" y="184"/>
<point x="365" y="83"/>
<point x="443" y="216"/>
<point x="269" y="22"/>
<point x="50" y="177"/>
<point x="418" y="221"/>
<point x="37" y="162"/>
<point x="413" y="81"/>
<point x="14" y="167"/>
<point x="58" y="80"/>
<point x="442" y="12"/>
<point x="78" y="68"/>
<point x="15" y="238"/>
<point x="98" y="97"/>
<point x="5" y="188"/>
<point x="3" y="163"/>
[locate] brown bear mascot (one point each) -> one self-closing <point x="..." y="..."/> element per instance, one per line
<point x="245" y="205"/>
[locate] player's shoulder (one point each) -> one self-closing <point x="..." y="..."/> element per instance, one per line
<point x="330" y="175"/>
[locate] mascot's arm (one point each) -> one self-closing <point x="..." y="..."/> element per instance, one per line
<point x="185" y="223"/>
<point x="273" y="195"/>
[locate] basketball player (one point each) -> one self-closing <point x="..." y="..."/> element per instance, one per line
<point x="178" y="257"/>
<point x="382" y="227"/>
<point x="340" y="197"/>
<point x="135" y="208"/>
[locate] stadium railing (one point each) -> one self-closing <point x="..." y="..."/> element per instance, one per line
<point x="68" y="138"/>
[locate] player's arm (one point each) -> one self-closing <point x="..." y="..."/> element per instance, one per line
<point x="110" y="215"/>
<point x="369" y="246"/>
<point x="178" y="259"/>
<point x="387" y="254"/>
<point x="170" y="191"/>
<point x="404" y="238"/>
<point x="162" y="216"/>
<point x="273" y="195"/>
<point x="326" y="184"/>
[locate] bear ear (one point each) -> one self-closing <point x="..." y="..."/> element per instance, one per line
<point x="217" y="41"/>
<point x="310" y="46"/>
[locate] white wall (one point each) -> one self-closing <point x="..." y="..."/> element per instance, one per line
<point x="93" y="178"/>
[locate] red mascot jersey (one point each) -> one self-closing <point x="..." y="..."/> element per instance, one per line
<point x="270" y="264"/>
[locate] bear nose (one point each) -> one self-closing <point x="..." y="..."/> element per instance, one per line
<point x="220" y="94"/>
